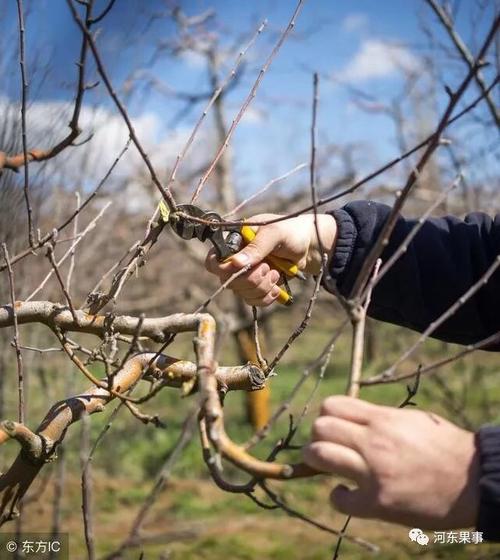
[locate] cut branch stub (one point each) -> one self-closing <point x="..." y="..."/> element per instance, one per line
<point x="40" y="447"/>
<point x="210" y="380"/>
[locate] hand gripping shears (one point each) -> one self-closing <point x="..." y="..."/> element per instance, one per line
<point x="226" y="246"/>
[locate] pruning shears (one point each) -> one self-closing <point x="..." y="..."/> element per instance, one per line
<point x="235" y="238"/>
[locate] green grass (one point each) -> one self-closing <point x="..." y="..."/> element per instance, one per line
<point x="131" y="454"/>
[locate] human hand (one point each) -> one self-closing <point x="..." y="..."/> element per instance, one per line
<point x="411" y="467"/>
<point x="293" y="239"/>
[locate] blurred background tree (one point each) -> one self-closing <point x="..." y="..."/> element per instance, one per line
<point x="385" y="76"/>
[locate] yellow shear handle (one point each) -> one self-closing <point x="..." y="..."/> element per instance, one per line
<point x="288" y="268"/>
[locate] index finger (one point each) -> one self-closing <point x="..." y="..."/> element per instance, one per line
<point x="220" y="268"/>
<point x="350" y="408"/>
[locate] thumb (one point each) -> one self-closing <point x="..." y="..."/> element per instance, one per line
<point x="350" y="502"/>
<point x="265" y="241"/>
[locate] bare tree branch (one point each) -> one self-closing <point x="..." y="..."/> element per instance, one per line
<point x="465" y="54"/>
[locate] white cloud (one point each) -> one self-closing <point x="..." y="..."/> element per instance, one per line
<point x="354" y="22"/>
<point x="84" y="166"/>
<point x="378" y="59"/>
<point x="193" y="59"/>
<point x="253" y="116"/>
<point x="81" y="168"/>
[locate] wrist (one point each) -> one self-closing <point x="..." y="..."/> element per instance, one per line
<point x="327" y="230"/>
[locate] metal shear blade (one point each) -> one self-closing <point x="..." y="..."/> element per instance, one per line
<point x="190" y="229"/>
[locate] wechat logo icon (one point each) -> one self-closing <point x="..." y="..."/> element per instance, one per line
<point x="418" y="536"/>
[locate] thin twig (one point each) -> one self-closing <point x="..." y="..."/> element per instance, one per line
<point x="69" y="301"/>
<point x="13" y="162"/>
<point x="89" y="228"/>
<point x="24" y="95"/>
<point x="357" y="184"/>
<point x="72" y="256"/>
<point x="423" y="370"/>
<point x="247" y="102"/>
<point x="19" y="357"/>
<point x="376" y="250"/>
<point x="55" y="231"/>
<point x="297" y="514"/>
<point x="415" y="229"/>
<point x="222" y="287"/>
<point x="389" y="372"/>
<point x="300" y="327"/>
<point x="185" y="437"/>
<point x="267" y="186"/>
<point x="256" y="339"/>
<point x="102" y="15"/>
<point x="86" y="484"/>
<point x="465" y="54"/>
<point x="336" y="552"/>
<point x="165" y="192"/>
<point x="318" y="362"/>
<point x="217" y="92"/>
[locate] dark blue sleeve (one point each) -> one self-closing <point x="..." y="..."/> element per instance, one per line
<point x="445" y="259"/>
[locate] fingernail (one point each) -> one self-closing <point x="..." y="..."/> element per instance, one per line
<point x="275" y="292"/>
<point x="240" y="259"/>
<point x="275" y="276"/>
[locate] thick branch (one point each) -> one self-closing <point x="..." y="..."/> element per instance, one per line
<point x="58" y="316"/>
<point x="16" y="481"/>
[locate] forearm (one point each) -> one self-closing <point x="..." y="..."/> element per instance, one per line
<point x="446" y="258"/>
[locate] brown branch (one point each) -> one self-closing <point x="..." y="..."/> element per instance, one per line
<point x="481" y="345"/>
<point x="81" y="366"/>
<point x="24" y="95"/>
<point x="357" y="315"/>
<point x="15" y="324"/>
<point x="247" y="102"/>
<point x="14" y="162"/>
<point x="163" y="477"/>
<point x="29" y="441"/>
<point x="165" y="192"/>
<point x="69" y="301"/>
<point x="216" y="94"/>
<point x="214" y="466"/>
<point x="390" y="223"/>
<point x="55" y="231"/>
<point x="389" y="372"/>
<point x="86" y="485"/>
<point x="55" y="315"/>
<point x="18" y="478"/>
<point x="465" y="54"/>
<point x="357" y="184"/>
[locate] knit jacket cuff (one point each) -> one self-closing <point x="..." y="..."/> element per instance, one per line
<point x="344" y="247"/>
<point x="489" y="484"/>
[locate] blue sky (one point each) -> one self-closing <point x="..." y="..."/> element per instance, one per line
<point x="357" y="44"/>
